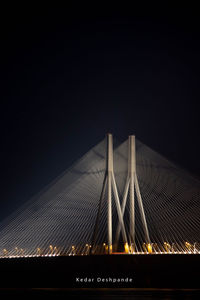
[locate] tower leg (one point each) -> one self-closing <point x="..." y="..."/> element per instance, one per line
<point x="132" y="170"/>
<point x="110" y="170"/>
<point x="109" y="214"/>
<point x="120" y="216"/>
<point x="123" y="209"/>
<point x="141" y="208"/>
<point x="132" y="215"/>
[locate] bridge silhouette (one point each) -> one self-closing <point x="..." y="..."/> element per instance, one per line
<point x="118" y="198"/>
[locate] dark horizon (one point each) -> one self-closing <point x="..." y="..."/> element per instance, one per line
<point x="66" y="82"/>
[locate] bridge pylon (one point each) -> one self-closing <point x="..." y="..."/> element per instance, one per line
<point x="109" y="183"/>
<point x="131" y="187"/>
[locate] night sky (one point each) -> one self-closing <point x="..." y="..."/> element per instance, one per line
<point x="67" y="80"/>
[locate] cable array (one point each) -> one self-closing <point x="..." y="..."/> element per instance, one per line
<point x="60" y="220"/>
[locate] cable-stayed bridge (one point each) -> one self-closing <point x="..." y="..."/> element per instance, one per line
<point x="118" y="198"/>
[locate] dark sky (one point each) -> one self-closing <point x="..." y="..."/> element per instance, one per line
<point x="68" y="80"/>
